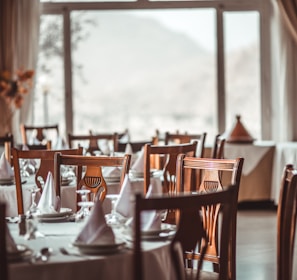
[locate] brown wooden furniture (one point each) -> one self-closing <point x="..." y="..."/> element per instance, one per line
<point x="178" y="138"/>
<point x="90" y="142"/>
<point x="8" y="143"/>
<point x="212" y="180"/>
<point x="46" y="164"/>
<point x="167" y="162"/>
<point x="190" y="232"/>
<point x="218" y="147"/>
<point x="286" y="223"/>
<point x="3" y="251"/>
<point x="136" y="146"/>
<point x="93" y="178"/>
<point x="41" y="133"/>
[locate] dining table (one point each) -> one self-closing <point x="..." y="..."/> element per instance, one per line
<point x="75" y="265"/>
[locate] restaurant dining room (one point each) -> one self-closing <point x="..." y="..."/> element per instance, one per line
<point x="148" y="139"/>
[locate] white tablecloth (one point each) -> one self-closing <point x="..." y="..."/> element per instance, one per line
<point x="115" y="266"/>
<point x="285" y="153"/>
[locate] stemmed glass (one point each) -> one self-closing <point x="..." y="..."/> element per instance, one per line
<point x="113" y="217"/>
<point x="31" y="218"/>
<point x="84" y="204"/>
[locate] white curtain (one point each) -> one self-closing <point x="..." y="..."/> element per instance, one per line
<point x="284" y="74"/>
<point x="19" y="32"/>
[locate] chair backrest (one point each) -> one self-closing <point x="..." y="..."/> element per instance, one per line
<point x="166" y="156"/>
<point x="8" y="143"/>
<point x="41" y="133"/>
<point x="3" y="252"/>
<point x="136" y="146"/>
<point x="178" y="138"/>
<point x="211" y="172"/>
<point x="218" y="147"/>
<point x="93" y="178"/>
<point x="286" y="223"/>
<point x="190" y="233"/>
<point x="46" y="164"/>
<point x="90" y="141"/>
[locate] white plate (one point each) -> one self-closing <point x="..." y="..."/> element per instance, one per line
<point x="94" y="249"/>
<point x="156" y="232"/>
<point x="53" y="219"/>
<point x="66" y="181"/>
<point x="4" y="181"/>
<point x="23" y="253"/>
<point x="64" y="212"/>
<point x="112" y="179"/>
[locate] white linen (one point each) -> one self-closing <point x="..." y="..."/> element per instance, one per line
<point x="10" y="243"/>
<point x="111" y="171"/>
<point x="60" y="144"/>
<point x="138" y="165"/>
<point x="123" y="204"/>
<point x="96" y="231"/>
<point x="252" y="154"/>
<point x="6" y="171"/>
<point x="104" y="146"/>
<point x="128" y="149"/>
<point x="49" y="202"/>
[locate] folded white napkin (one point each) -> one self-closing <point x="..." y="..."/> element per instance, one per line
<point x="123" y="205"/>
<point x="60" y="144"/>
<point x="111" y="171"/>
<point x="10" y="243"/>
<point x="96" y="231"/>
<point x="49" y="202"/>
<point x="151" y="220"/>
<point x="128" y="149"/>
<point x="6" y="171"/>
<point x="104" y="146"/>
<point x="138" y="165"/>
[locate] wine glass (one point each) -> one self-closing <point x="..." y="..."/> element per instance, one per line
<point x="32" y="231"/>
<point x="84" y="204"/>
<point x="113" y="218"/>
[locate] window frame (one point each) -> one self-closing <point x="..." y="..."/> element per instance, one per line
<point x="221" y="6"/>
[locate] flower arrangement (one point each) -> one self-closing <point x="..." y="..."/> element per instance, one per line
<point x="14" y="87"/>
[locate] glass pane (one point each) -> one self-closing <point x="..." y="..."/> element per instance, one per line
<point x="242" y="56"/>
<point x="49" y="92"/>
<point x="145" y="70"/>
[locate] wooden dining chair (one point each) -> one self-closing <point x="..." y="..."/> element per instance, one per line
<point x="41" y="133"/>
<point x="218" y="147"/>
<point x="90" y="141"/>
<point x="190" y="235"/>
<point x="92" y="179"/>
<point x="136" y="146"/>
<point x="163" y="157"/>
<point x="45" y="165"/>
<point x="3" y="251"/>
<point x="179" y="138"/>
<point x="213" y="175"/>
<point x="286" y="223"/>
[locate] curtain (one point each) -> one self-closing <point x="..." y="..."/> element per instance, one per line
<point x="284" y="71"/>
<point x="19" y="32"/>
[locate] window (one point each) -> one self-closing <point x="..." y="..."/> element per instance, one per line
<point x="146" y="69"/>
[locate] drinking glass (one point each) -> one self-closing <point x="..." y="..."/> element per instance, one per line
<point x="84" y="204"/>
<point x="32" y="231"/>
<point x="113" y="218"/>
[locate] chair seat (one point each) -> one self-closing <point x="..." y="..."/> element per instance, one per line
<point x="191" y="274"/>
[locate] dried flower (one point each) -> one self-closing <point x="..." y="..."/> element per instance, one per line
<point x="13" y="90"/>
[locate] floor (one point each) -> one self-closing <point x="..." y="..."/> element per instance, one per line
<point x="256" y="245"/>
